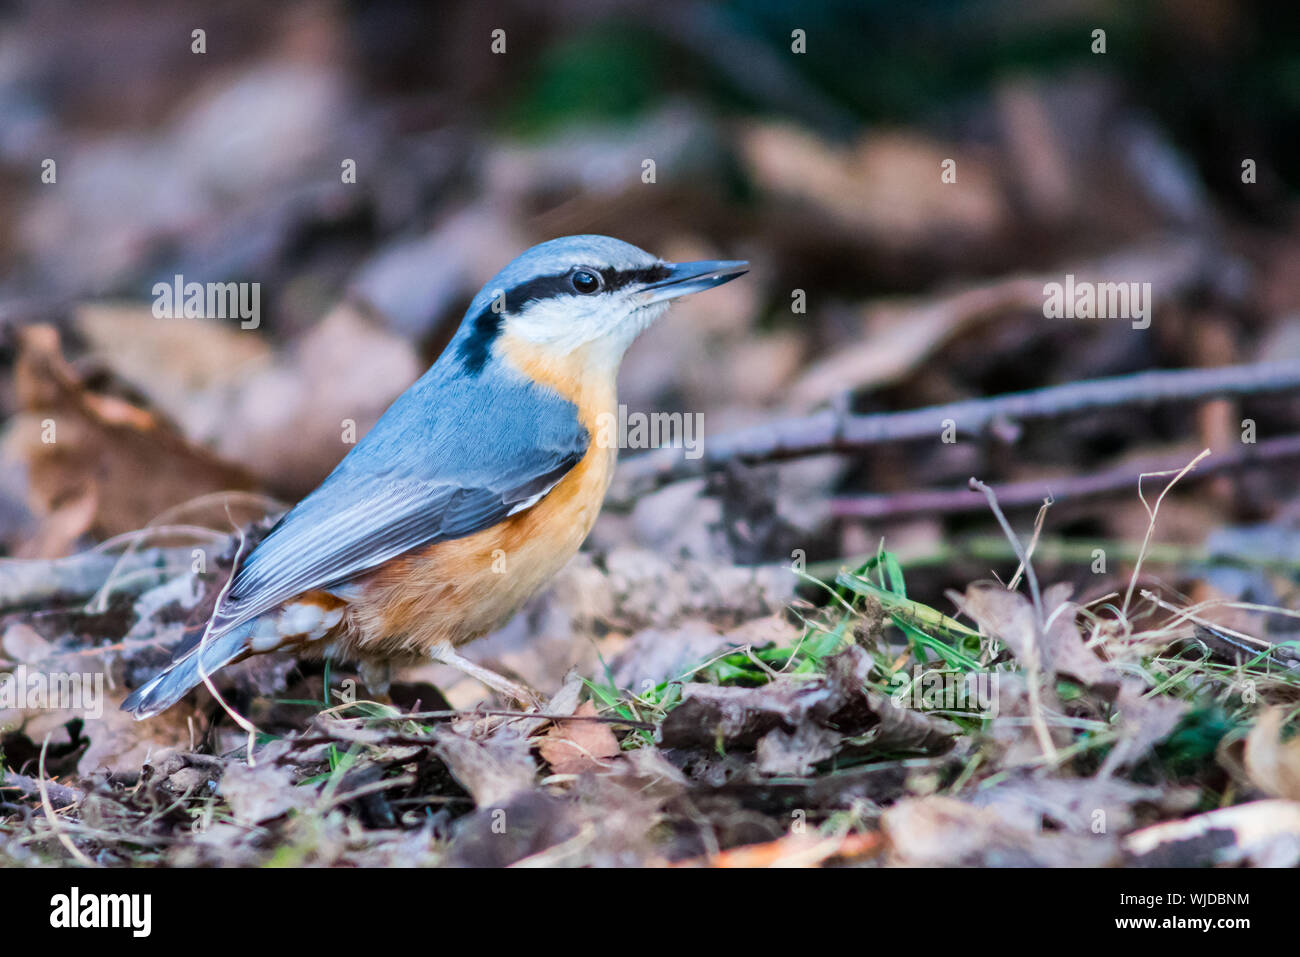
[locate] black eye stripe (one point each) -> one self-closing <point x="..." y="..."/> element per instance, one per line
<point x="547" y="287"/>
<point x="619" y="278"/>
<point x="486" y="325"/>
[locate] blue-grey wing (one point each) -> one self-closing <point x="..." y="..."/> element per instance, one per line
<point x="442" y="463"/>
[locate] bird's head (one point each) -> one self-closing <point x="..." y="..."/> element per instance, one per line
<point x="578" y="299"/>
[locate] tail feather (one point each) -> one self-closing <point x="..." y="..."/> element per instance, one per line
<point x="170" y="685"/>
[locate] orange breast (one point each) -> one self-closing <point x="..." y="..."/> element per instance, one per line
<point x="458" y="590"/>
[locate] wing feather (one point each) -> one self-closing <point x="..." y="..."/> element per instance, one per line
<point x="411" y="483"/>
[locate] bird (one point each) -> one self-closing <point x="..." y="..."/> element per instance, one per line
<point x="469" y="493"/>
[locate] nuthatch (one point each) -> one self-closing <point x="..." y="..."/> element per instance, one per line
<point x="475" y="487"/>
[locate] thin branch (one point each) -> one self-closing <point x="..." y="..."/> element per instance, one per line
<point x="1069" y="488"/>
<point x="1019" y="549"/>
<point x="31" y="787"/>
<point x="35" y="582"/>
<point x="1035" y="656"/>
<point x="48" y="809"/>
<point x="1153" y="511"/>
<point x="831" y="431"/>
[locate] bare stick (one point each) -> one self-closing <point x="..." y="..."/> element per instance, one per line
<point x="1033" y="664"/>
<point x="247" y="726"/>
<point x="1152" y="512"/>
<point x="1019" y="549"/>
<point x="831" y="431"/>
<point x="1068" y="488"/>
<point x="48" y="809"/>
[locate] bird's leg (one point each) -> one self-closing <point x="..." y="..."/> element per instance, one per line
<point x="377" y="676"/>
<point x="511" y="690"/>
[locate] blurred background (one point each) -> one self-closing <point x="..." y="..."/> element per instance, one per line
<point x="822" y="167"/>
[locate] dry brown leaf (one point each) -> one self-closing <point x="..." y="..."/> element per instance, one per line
<point x="81" y="446"/>
<point x="572" y="747"/>
<point x="1073" y="804"/>
<point x="263" y="792"/>
<point x="287" y="421"/>
<point x="492" y="770"/>
<point x="655" y="655"/>
<point x="48" y="687"/>
<point x="898" y="335"/>
<point x="1004" y="614"/>
<point x="170" y="360"/>
<point x="941" y="831"/>
<point x="121" y="744"/>
<point x="283" y="418"/>
<point x="1009" y="616"/>
<point x="23" y="643"/>
<point x="62" y="527"/>
<point x="782" y="752"/>
<point x="795" y="722"/>
<point x="884" y="185"/>
<point x="1066" y="652"/>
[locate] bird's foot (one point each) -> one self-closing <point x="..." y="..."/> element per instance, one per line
<point x="509" y="690"/>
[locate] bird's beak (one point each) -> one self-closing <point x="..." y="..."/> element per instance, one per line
<point x="686" y="278"/>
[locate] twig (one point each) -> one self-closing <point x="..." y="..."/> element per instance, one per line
<point x="1032" y="665"/>
<point x="48" y="808"/>
<point x="1039" y="520"/>
<point x="163" y="521"/>
<point x="30" y="787"/>
<point x="1019" y="549"/>
<point x="244" y="723"/>
<point x="1113" y="481"/>
<point x="374" y="787"/>
<point x="36" y="582"/>
<point x="1192" y="614"/>
<point x="829" y="431"/>
<point x="1152" y="512"/>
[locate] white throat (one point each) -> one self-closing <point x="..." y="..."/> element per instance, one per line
<point x="564" y="324"/>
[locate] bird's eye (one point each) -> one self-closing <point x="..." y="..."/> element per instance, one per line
<point x="585" y="282"/>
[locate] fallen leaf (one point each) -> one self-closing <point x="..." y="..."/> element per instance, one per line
<point x="1078" y="805"/>
<point x="121" y="744"/>
<point x="262" y="792"/>
<point x="898" y="335"/>
<point x="880" y="185"/>
<point x="291" y="421"/>
<point x="492" y="770"/>
<point x="572" y="747"/>
<point x="794" y="722"/>
<point x="120" y="464"/>
<point x="737" y="717"/>
<point x="781" y="752"/>
<point x="1003" y="614"/>
<point x="23" y="643"/>
<point x="938" y="831"/>
<point x="170" y="360"/>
